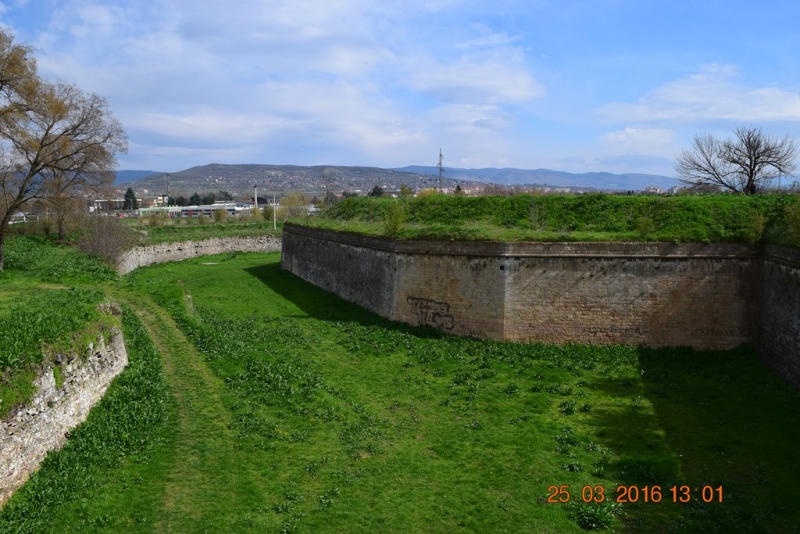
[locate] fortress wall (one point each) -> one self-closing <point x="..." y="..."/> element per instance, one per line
<point x="653" y="294"/>
<point x="164" y="252"/>
<point x="43" y="424"/>
<point x="670" y="300"/>
<point x="360" y="274"/>
<point x="779" y="320"/>
<point x="462" y="295"/>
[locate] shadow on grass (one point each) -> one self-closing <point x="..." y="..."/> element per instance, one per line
<point x="685" y="418"/>
<point x="705" y="419"/>
<point x="326" y="306"/>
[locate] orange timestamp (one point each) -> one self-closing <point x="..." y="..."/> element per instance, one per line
<point x="631" y="494"/>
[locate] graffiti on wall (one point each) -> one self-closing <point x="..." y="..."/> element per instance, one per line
<point x="432" y="313"/>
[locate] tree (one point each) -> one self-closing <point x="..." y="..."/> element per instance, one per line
<point x="748" y="163"/>
<point x="377" y="191"/>
<point x="295" y="204"/>
<point x="195" y="200"/>
<point x="64" y="207"/>
<point x="130" y="203"/>
<point x="330" y="199"/>
<point x="430" y="191"/>
<point x="405" y="191"/>
<point x="458" y="191"/>
<point x="108" y="238"/>
<point x="53" y="137"/>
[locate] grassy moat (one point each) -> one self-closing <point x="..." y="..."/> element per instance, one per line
<point x="255" y="402"/>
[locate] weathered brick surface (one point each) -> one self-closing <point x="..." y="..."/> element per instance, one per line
<point x="654" y="294"/>
<point x="657" y="301"/>
<point x="459" y="294"/>
<point x="780" y="311"/>
<point x="358" y="274"/>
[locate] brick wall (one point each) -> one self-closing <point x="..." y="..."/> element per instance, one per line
<point x="779" y="320"/>
<point x="654" y="294"/>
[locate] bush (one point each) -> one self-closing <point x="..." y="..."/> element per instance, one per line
<point x="107" y="238"/>
<point x="792" y="220"/>
<point x="393" y="219"/>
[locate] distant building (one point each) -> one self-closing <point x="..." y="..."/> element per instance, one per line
<point x="110" y="204"/>
<point x="652" y="190"/>
<point x="232" y="208"/>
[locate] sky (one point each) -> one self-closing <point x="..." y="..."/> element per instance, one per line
<point x="572" y="85"/>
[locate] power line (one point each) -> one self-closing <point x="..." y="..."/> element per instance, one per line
<point x="441" y="170"/>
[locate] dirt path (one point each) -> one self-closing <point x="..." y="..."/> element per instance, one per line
<point x="204" y="475"/>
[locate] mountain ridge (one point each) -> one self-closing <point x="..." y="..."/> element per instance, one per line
<point x="239" y="179"/>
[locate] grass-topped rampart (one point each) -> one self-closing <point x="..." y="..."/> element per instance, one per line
<point x="718" y="218"/>
<point x="177" y="230"/>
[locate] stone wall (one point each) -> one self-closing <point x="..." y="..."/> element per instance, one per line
<point x="654" y="294"/>
<point x="361" y="276"/>
<point x="780" y="311"/>
<point x="43" y="424"/>
<point x="164" y="252"/>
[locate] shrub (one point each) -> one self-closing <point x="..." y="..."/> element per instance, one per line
<point x="393" y="219"/>
<point x="107" y="238"/>
<point x="792" y="220"/>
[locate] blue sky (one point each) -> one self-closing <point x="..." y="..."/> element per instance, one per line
<point x="592" y="85"/>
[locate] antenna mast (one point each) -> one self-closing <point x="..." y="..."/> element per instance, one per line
<point x="441" y="170"/>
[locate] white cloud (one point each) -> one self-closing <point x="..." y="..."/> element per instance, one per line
<point x="639" y="141"/>
<point x="350" y="80"/>
<point x="494" y="76"/>
<point x="710" y="94"/>
<point x="486" y="37"/>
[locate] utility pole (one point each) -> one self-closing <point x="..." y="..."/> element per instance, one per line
<point x="441" y="170"/>
<point x="274" y="213"/>
<point x="255" y="195"/>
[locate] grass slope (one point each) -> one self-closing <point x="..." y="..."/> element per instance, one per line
<point x="721" y="218"/>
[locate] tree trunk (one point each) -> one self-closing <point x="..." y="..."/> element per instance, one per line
<point x="61" y="232"/>
<point x="2" y="248"/>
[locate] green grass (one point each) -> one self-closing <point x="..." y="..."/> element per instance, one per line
<point x="48" y="304"/>
<point x="175" y="230"/>
<point x="43" y="321"/>
<point x="290" y="410"/>
<point x="91" y="484"/>
<point x="722" y="218"/>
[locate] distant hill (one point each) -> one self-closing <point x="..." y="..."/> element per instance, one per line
<point x="123" y="177"/>
<point x="238" y="180"/>
<point x="510" y="176"/>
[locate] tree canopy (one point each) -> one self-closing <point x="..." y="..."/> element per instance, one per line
<point x="130" y="202"/>
<point x="54" y="138"/>
<point x="747" y="164"/>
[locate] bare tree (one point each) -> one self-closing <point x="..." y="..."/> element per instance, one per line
<point x="745" y="164"/>
<point x="107" y="237"/>
<point x="295" y="204"/>
<point x="53" y="139"/>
